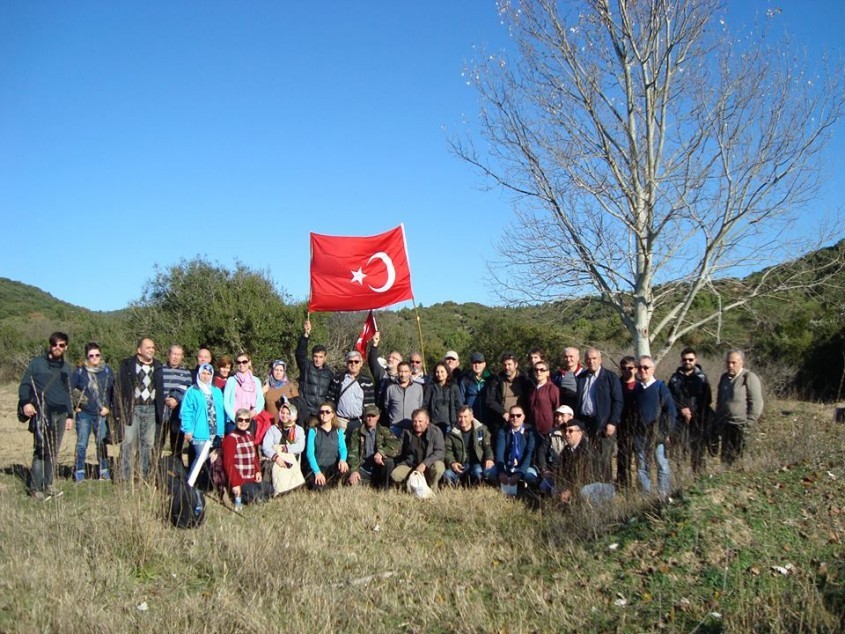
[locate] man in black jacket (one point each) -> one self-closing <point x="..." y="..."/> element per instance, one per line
<point x="315" y="375"/>
<point x="44" y="400"/>
<point x="693" y="397"/>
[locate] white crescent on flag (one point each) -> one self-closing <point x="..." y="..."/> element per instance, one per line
<point x="391" y="271"/>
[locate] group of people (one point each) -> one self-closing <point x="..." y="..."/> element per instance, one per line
<point x="554" y="430"/>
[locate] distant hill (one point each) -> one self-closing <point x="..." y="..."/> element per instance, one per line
<point x="22" y="300"/>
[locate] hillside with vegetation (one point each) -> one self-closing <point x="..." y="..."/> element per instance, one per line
<point x="795" y="339"/>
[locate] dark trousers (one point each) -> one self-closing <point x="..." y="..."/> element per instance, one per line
<point x="47" y="432"/>
<point x="733" y="443"/>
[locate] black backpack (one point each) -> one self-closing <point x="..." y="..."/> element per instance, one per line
<point x="183" y="505"/>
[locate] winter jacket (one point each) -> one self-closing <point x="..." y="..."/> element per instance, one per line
<point x="314" y="382"/>
<point x="607" y="400"/>
<point x="442" y="403"/>
<point x="195" y="414"/>
<point x="692" y="391"/>
<point x="479" y="451"/>
<point x="97" y="387"/>
<point x="46" y="381"/>
<point x="400" y="402"/>
<point x="434" y="448"/>
<point x="510" y="443"/>
<point x="386" y="444"/>
<point x="125" y="389"/>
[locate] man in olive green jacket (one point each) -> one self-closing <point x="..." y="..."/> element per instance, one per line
<point x="371" y="451"/>
<point x="469" y="452"/>
<point x="739" y="405"/>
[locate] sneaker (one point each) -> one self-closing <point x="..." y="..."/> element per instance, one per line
<point x="105" y="476"/>
<point x="239" y="508"/>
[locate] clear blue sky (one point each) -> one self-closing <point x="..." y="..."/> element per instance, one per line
<point x="138" y="133"/>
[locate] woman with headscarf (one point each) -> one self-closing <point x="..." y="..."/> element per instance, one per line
<point x="240" y="462"/>
<point x="202" y="413"/>
<point x="243" y="390"/>
<point x="93" y="390"/>
<point x="282" y="446"/>
<point x="278" y="387"/>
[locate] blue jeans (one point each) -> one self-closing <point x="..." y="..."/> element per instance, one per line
<point x="87" y="424"/>
<point x="529" y="476"/>
<point x="472" y="474"/>
<point x="141" y="432"/>
<point x="642" y="450"/>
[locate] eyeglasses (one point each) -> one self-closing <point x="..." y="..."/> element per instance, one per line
<point x="242" y="361"/>
<point x="645" y="367"/>
<point x="326" y="412"/>
<point x="243" y="420"/>
<point x="517" y="415"/>
<point x="94" y="355"/>
<point x="541" y="369"/>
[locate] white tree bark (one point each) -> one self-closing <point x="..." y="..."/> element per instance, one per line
<point x="651" y="153"/>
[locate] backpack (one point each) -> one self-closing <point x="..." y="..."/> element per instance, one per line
<point x="183" y="504"/>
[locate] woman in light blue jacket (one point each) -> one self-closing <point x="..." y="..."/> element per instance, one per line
<point x="202" y="413"/>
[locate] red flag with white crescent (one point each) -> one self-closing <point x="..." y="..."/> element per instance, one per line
<point x="359" y="273"/>
<point x="367" y="333"/>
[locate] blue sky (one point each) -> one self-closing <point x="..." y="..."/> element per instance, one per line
<point x="134" y="134"/>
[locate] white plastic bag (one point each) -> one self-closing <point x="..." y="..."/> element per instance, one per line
<point x="418" y="486"/>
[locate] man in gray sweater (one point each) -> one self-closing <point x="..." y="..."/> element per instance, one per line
<point x="739" y="405"/>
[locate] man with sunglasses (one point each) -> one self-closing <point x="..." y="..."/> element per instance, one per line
<point x="351" y="391"/>
<point x="44" y="401"/>
<point x="655" y="417"/>
<point x="693" y="397"/>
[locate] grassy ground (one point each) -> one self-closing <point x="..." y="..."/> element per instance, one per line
<point x="100" y="559"/>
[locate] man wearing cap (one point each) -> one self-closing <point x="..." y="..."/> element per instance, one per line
<point x="372" y="452"/>
<point x="551" y="445"/>
<point x="422" y="450"/>
<point x="577" y="469"/>
<point x="469" y="451"/>
<point x="402" y="398"/>
<point x="472" y="386"/>
<point x="453" y="362"/>
<point x="315" y="376"/>
<point x="351" y="392"/>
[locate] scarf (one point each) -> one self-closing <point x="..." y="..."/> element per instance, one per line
<point x="94" y="384"/>
<point x="245" y="396"/>
<point x="205" y="388"/>
<point x="273" y="383"/>
<point x="515" y="452"/>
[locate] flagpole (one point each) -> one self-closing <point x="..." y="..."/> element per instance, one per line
<point x="419" y="330"/>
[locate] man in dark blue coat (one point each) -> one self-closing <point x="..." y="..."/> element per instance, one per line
<point x="599" y="407"/>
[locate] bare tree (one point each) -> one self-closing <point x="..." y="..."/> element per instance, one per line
<point x="651" y="153"/>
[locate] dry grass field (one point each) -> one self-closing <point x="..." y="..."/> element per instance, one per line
<point x="758" y="548"/>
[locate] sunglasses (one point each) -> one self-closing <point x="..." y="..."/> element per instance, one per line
<point x="572" y="430"/>
<point x="60" y="344"/>
<point x="541" y="369"/>
<point x="517" y="415"/>
<point x="353" y="362"/>
<point x="325" y="412"/>
<point x="94" y="355"/>
<point x="242" y="361"/>
<point x="645" y="367"/>
<point x="243" y="420"/>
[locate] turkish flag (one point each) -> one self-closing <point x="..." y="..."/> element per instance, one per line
<point x="367" y="333"/>
<point x="359" y="273"/>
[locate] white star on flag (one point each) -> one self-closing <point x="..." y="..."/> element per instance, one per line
<point x="358" y="276"/>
